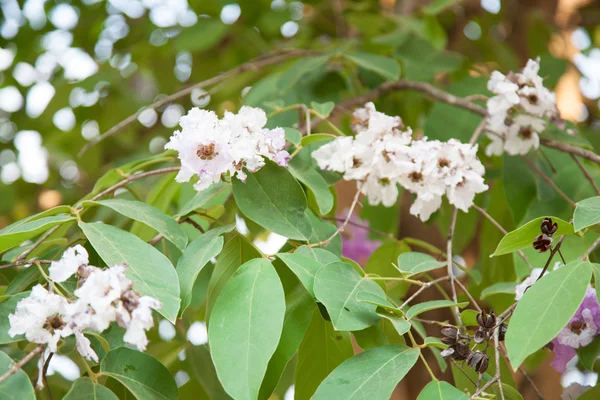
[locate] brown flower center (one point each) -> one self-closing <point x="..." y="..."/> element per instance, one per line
<point x="533" y="99"/>
<point x="578" y="326"/>
<point x="526" y="132"/>
<point x="54" y="322"/>
<point x="206" y="152"/>
<point x="415" y="176"/>
<point x="443" y="162"/>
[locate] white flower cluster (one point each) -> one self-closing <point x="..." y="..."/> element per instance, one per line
<point x="102" y="296"/>
<point x="517" y="110"/>
<point x="210" y="147"/>
<point x="381" y="156"/>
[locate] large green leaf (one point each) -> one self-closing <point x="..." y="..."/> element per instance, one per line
<point x="520" y="193"/>
<point x="370" y="375"/>
<point x="297" y="319"/>
<point x="192" y="261"/>
<point x="151" y="271"/>
<point x="414" y="263"/>
<point x="336" y="286"/>
<point x="273" y="199"/>
<point x="7" y="307"/>
<point x="245" y="327"/>
<point x="499" y="288"/>
<point x="140" y="373"/>
<point x="299" y="69"/>
<point x="440" y="390"/>
<point x="524" y="236"/>
<point x="431" y="305"/>
<point x="587" y="213"/>
<point x="205" y="197"/>
<point x="303" y="267"/>
<point x="422" y="61"/>
<point x="17" y="386"/>
<point x="385" y="67"/>
<point x="321" y="351"/>
<point x="545" y="309"/>
<point x="86" y="389"/>
<point x="322" y="256"/>
<point x="48" y="213"/>
<point x="19" y="233"/>
<point x="236" y="252"/>
<point x="148" y="215"/>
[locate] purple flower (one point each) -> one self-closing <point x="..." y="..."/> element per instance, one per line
<point x="356" y="243"/>
<point x="579" y="332"/>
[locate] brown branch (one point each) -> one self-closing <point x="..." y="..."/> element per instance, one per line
<point x="555" y="250"/>
<point x="37" y="244"/>
<point x="21" y="363"/>
<point x="497" y="225"/>
<point x="421" y="289"/>
<point x="450" y="267"/>
<point x="487" y="385"/>
<point x="549" y="181"/>
<point x="568" y="148"/>
<point x="24" y="262"/>
<point x="465" y="291"/>
<point x="497" y="356"/>
<point x="586" y="173"/>
<point x="257" y="63"/>
<point x="131" y="179"/>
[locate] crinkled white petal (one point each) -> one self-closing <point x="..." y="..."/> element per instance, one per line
<point x="69" y="263"/>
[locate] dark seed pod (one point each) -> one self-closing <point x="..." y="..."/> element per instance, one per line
<point x="486" y="320"/>
<point x="449" y="331"/>
<point x="480" y="336"/>
<point x="478" y="361"/>
<point x="502" y="331"/>
<point x="542" y="243"/>
<point x="548" y="227"/>
<point x="461" y="351"/>
<point x="448" y="340"/>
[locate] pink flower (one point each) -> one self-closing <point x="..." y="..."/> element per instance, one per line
<point x="356" y="243"/>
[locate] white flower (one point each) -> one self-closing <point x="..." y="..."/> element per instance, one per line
<point x="337" y="155"/>
<point x="41" y="317"/>
<point x="73" y="258"/>
<point x="522" y="134"/>
<point x="380" y="190"/>
<point x="423" y="208"/>
<point x="210" y="147"/>
<point x="530" y="280"/>
<point x="580" y="332"/>
<point x="84" y="347"/>
<point x="140" y="321"/>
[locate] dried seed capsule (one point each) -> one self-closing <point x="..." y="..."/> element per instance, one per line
<point x="542" y="243"/>
<point x="548" y="227"/>
<point x="502" y="331"/>
<point x="449" y="331"/>
<point x="480" y="336"/>
<point x="478" y="361"/>
<point x="486" y="320"/>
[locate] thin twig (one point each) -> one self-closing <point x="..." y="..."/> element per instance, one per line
<point x="478" y="132"/>
<point x="549" y="181"/>
<point x="497" y="355"/>
<point x="552" y="253"/>
<point x="464" y="289"/>
<point x="131" y="179"/>
<point x="421" y="289"/>
<point x="367" y="227"/>
<point x="257" y="63"/>
<point x="451" y="267"/>
<point x="343" y="226"/>
<point x="586" y="173"/>
<point x="21" y="363"/>
<point x="591" y="249"/>
<point x="568" y="148"/>
<point x="37" y="244"/>
<point x="487" y="385"/>
<point x="44" y="374"/>
<point x="24" y="262"/>
<point x="497" y="225"/>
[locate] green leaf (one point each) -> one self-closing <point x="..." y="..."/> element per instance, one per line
<point x="203" y="370"/>
<point x="193" y="260"/>
<point x="18" y="234"/>
<point x="321" y="351"/>
<point x="587" y="213"/>
<point x="148" y="215"/>
<point x="321" y="230"/>
<point x="399" y="323"/>
<point x="7" y="307"/>
<point x="520" y="193"/>
<point x="17" y="386"/>
<point x="499" y="288"/>
<point x="293" y="136"/>
<point x="273" y="199"/>
<point x="301" y="167"/>
<point x="323" y="109"/>
<point x="151" y="271"/>
<point x="245" y="327"/>
<point x="431" y="305"/>
<point x="414" y="263"/>
<point x="524" y="236"/>
<point x="322" y="256"/>
<point x="303" y="267"/>
<point x="336" y="286"/>
<point x="298" y="315"/>
<point x="385" y="67"/>
<point x="437" y="6"/>
<point x="422" y="61"/>
<point x="48" y="213"/>
<point x="381" y="262"/>
<point x="440" y="390"/>
<point x="202" y="36"/>
<point x="299" y="69"/>
<point x="86" y="389"/>
<point x="545" y="309"/>
<point x="373" y="374"/>
<point x="588" y="355"/>
<point x="469" y="317"/>
<point x="434" y="342"/>
<point x="143" y="375"/>
<point x="370" y="337"/>
<point x="317" y="137"/>
<point x="237" y="251"/>
<point x="510" y="393"/>
<point x="205" y="197"/>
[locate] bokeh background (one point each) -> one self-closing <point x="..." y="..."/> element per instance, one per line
<point x="70" y="70"/>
